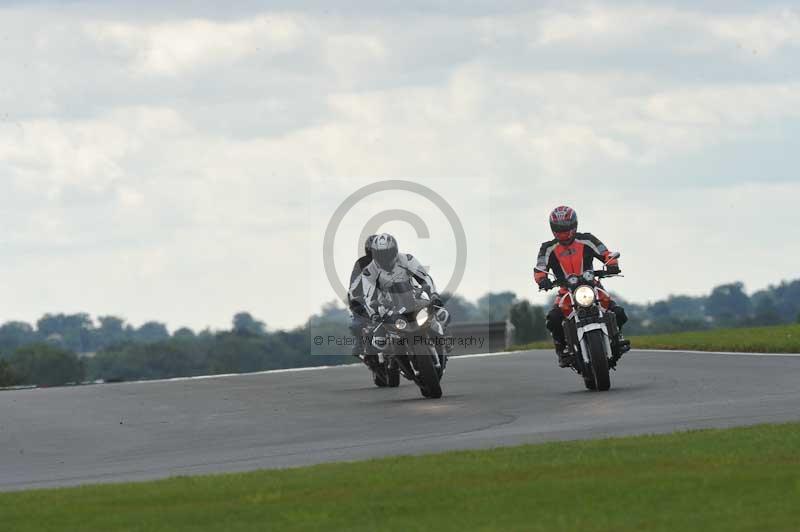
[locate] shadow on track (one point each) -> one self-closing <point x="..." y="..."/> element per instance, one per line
<point x="613" y="390"/>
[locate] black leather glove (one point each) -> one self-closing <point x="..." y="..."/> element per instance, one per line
<point x="437" y="300"/>
<point x="613" y="269"/>
<point x="546" y="284"/>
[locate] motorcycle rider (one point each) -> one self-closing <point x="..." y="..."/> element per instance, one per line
<point x="355" y="300"/>
<point x="571" y="253"/>
<point x="389" y="266"/>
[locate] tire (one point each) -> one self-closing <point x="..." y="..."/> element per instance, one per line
<point x="589" y="382"/>
<point x="597" y="354"/>
<point x="393" y="377"/>
<point x="379" y="377"/>
<point x="442" y="363"/>
<point x="429" y="384"/>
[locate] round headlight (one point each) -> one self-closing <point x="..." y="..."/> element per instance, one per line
<point x="401" y="323"/>
<point x="422" y="317"/>
<point x="584" y="296"/>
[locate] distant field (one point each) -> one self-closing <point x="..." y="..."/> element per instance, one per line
<point x="714" y="480"/>
<point x="778" y="339"/>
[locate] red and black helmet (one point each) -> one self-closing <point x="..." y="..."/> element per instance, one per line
<point x="564" y="224"/>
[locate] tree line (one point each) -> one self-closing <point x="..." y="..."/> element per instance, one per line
<point x="73" y="348"/>
<point x="50" y="357"/>
<point x="79" y="333"/>
<point x="727" y="305"/>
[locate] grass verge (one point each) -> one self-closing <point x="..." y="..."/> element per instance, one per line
<point x="776" y="339"/>
<point x="713" y="480"/>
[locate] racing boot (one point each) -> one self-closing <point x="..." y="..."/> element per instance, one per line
<point x="565" y="356"/>
<point x="372" y="361"/>
<point x="623" y="343"/>
<point x="448" y="345"/>
<point x="372" y="350"/>
<point x="620" y="346"/>
<point x="360" y="348"/>
<point x="357" y="350"/>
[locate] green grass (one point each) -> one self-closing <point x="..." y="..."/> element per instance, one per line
<point x="745" y="479"/>
<point x="777" y="339"/>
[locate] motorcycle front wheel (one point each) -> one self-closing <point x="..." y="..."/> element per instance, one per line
<point x="428" y="378"/>
<point x="597" y="354"/>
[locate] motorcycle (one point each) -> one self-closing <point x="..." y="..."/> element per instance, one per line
<point x="591" y="331"/>
<point x="409" y="334"/>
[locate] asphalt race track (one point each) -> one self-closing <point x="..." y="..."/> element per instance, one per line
<point x="146" y="430"/>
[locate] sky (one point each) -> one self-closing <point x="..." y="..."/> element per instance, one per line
<point x="182" y="161"/>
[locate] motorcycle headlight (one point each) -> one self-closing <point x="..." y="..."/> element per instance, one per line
<point x="401" y="323"/>
<point x="584" y="296"/>
<point x="422" y="317"/>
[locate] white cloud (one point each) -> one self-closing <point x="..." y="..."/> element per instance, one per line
<point x="555" y="123"/>
<point x="601" y="24"/>
<point x="173" y="47"/>
<point x="350" y="54"/>
<point x="52" y="155"/>
<point x="763" y="33"/>
<point x="601" y="27"/>
<point x="725" y="106"/>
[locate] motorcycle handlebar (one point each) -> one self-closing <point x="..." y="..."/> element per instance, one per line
<point x="598" y="274"/>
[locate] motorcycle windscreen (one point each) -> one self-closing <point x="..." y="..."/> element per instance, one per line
<point x="402" y="296"/>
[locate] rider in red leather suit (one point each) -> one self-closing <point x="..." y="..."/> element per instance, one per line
<point x="571" y="253"/>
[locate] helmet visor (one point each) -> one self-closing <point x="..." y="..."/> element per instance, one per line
<point x="563" y="226"/>
<point x="385" y="258"/>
